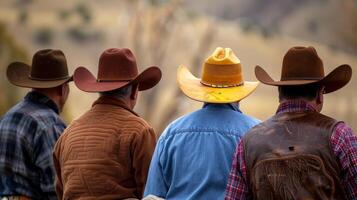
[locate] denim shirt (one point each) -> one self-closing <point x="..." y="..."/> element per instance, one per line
<point x="193" y="156"/>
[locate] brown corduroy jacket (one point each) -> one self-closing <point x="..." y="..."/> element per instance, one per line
<point x="105" y="154"/>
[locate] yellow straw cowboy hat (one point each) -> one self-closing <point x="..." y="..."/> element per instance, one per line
<point x="221" y="82"/>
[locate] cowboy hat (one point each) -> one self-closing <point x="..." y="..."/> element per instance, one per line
<point x="48" y="70"/>
<point x="117" y="68"/>
<point x="221" y="82"/>
<point x="302" y="66"/>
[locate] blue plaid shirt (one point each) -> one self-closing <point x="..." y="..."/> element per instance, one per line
<point x="28" y="133"/>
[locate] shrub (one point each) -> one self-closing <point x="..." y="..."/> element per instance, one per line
<point x="84" y="11"/>
<point x="23" y="17"/>
<point x="63" y="15"/>
<point x="83" y="34"/>
<point x="44" y="36"/>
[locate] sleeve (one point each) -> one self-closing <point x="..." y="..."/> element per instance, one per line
<point x="58" y="179"/>
<point x="156" y="184"/>
<point x="142" y="150"/>
<point x="237" y="187"/>
<point x="44" y="142"/>
<point x="344" y="146"/>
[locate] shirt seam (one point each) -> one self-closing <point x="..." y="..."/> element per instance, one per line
<point x="201" y="131"/>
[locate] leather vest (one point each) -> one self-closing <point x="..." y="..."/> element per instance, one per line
<point x="289" y="157"/>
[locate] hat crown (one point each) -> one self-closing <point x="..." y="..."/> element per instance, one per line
<point x="49" y="64"/>
<point x="222" y="69"/>
<point x="302" y="63"/>
<point x="117" y="64"/>
<point x="223" y="56"/>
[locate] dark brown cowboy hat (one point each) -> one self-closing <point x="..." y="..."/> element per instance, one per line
<point x="116" y="69"/>
<point x="302" y="66"/>
<point x="48" y="70"/>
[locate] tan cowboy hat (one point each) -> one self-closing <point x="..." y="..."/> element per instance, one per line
<point x="302" y="66"/>
<point x="222" y="79"/>
<point x="48" y="70"/>
<point x="116" y="69"/>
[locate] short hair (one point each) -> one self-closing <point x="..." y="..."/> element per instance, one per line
<point x="118" y="93"/>
<point x="309" y="91"/>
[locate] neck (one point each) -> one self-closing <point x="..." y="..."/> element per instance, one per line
<point x="313" y="103"/>
<point x="126" y="100"/>
<point x="51" y="96"/>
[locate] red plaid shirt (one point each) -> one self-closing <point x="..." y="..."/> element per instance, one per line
<point x="343" y="144"/>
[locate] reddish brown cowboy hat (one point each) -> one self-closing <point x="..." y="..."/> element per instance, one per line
<point x="302" y="66"/>
<point x="49" y="69"/>
<point x="116" y="69"/>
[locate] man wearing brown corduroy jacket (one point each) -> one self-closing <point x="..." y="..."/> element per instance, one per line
<point x="105" y="154"/>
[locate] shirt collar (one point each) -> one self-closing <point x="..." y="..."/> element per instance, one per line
<point x="40" y="98"/>
<point x="295" y="106"/>
<point x="113" y="101"/>
<point x="231" y="106"/>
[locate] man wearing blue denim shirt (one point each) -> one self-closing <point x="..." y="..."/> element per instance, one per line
<point x="193" y="156"/>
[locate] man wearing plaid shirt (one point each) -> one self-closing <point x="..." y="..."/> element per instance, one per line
<point x="30" y="129"/>
<point x="298" y="153"/>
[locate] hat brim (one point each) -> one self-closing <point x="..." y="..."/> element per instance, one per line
<point x="335" y="80"/>
<point x="18" y="73"/>
<point x="192" y="88"/>
<point x="87" y="82"/>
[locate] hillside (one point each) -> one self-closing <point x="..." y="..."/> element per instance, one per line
<point x="329" y="22"/>
<point x="166" y="35"/>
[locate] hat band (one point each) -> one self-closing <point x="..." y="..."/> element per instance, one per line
<point x="221" y="86"/>
<point x="300" y="78"/>
<point x="48" y="79"/>
<point x="101" y="80"/>
<point x="222" y="75"/>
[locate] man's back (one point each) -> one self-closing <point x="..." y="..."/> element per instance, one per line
<point x="104" y="154"/>
<point x="28" y="133"/>
<point x="291" y="153"/>
<point x="193" y="156"/>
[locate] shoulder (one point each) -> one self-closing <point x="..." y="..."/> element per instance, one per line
<point x="174" y="126"/>
<point x="139" y="122"/>
<point x="251" y="120"/>
<point x="120" y="115"/>
<point x="259" y="128"/>
<point x="20" y="121"/>
<point x="137" y="126"/>
<point x="20" y="116"/>
<point x="341" y="131"/>
<point x="35" y="117"/>
<point x="342" y="126"/>
<point x="223" y="121"/>
<point x="180" y="121"/>
<point x="44" y="115"/>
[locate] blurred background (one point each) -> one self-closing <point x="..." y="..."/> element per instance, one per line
<point x="168" y="33"/>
